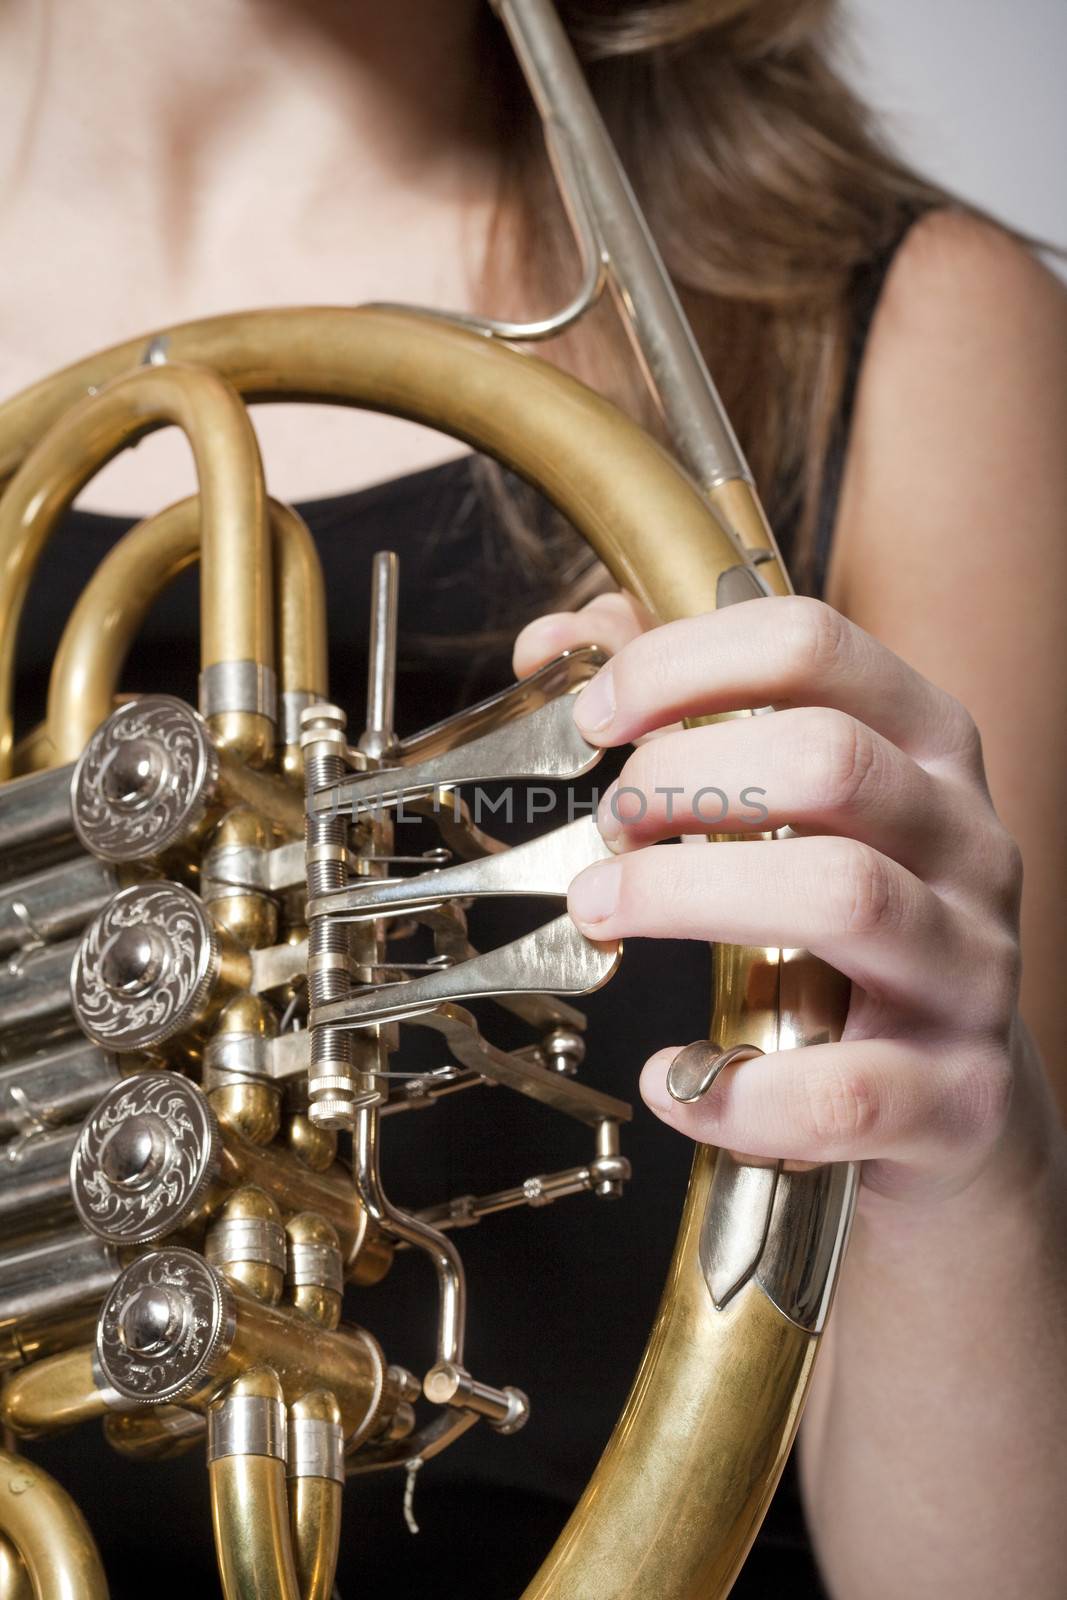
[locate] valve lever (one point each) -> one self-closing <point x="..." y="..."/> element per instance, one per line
<point x="554" y="959"/>
<point x="542" y="744"/>
<point x="544" y="866"/>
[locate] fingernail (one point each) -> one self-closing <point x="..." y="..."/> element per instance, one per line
<point x="654" y="1091"/>
<point x="606" y="819"/>
<point x="653" y="1085"/>
<point x="595" y="706"/>
<point x="594" y="893"/>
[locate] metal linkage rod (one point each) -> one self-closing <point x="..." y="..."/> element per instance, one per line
<point x="379" y="736"/>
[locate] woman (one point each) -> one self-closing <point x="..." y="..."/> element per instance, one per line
<point x="897" y="370"/>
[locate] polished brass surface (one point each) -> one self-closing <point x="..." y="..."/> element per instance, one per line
<point x="237" y="1250"/>
<point x="346" y="1360"/>
<point x="57" y="1392"/>
<point x="738" y="508"/>
<point x="44" y="1525"/>
<point x="14" y="1579"/>
<point x="312" y="1293"/>
<point x="296" y="1187"/>
<point x="237" y="622"/>
<point x="156" y="1435"/>
<point x="315" y="1508"/>
<point x="248" y="1107"/>
<point x="699" y="1447"/>
<point x="250" y="914"/>
<point x="249" y="1513"/>
<point x="616" y="484"/>
<point x="679" y="1493"/>
<point x="315" y="1147"/>
<point x="127" y="583"/>
<point x="104" y="623"/>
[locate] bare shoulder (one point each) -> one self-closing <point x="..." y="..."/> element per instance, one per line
<point x="951" y="536"/>
<point x="954" y="264"/>
<point x="962" y="394"/>
<point x="969" y="340"/>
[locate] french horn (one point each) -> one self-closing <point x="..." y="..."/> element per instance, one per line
<point x="197" y="996"/>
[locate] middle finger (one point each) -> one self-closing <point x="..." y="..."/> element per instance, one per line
<point x="855" y="908"/>
<point x="813" y="769"/>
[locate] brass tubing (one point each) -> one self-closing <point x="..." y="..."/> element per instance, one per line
<point x="300" y="597"/>
<point x="105" y="621"/>
<point x="129" y="580"/>
<point x="49" y="1533"/>
<point x="237" y="622"/>
<point x="249" y="1509"/>
<point x="367" y="1254"/>
<point x="718" y="1397"/>
<point x="56" y="1393"/>
<point x="546" y="426"/>
<point x="314" y="1500"/>
<point x="348" y="1362"/>
<point x="737" y="505"/>
<point x="158" y="1433"/>
<point x="680" y="1491"/>
<point x="315" y="1513"/>
<point x="14" y="1579"/>
<point x="250" y="1516"/>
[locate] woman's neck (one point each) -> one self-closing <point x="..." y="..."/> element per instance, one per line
<point x="153" y="93"/>
<point x="178" y="160"/>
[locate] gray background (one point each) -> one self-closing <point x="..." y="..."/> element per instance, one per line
<point x="975" y="93"/>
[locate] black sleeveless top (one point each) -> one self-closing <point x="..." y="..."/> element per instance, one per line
<point x="561" y="1298"/>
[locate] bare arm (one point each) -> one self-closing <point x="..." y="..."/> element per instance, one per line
<point x="935" y="1446"/>
<point x="933" y="1453"/>
<point x="951" y="545"/>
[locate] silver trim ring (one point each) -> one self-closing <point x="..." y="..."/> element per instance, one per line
<point x="316" y="1264"/>
<point x="235" y="1239"/>
<point x="238" y="686"/>
<point x="316" y="1449"/>
<point x="292" y="703"/>
<point x="247" y="1425"/>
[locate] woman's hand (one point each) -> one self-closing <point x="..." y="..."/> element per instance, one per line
<point x="900" y="874"/>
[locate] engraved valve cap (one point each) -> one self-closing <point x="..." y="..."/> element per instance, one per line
<point x="152" y="1321"/>
<point x="144" y="779"/>
<point x="145" y="968"/>
<point x="165" y="1328"/>
<point x="144" y="1159"/>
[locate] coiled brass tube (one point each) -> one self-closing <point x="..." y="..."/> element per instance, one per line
<point x="50" y="1534"/>
<point x="113" y="605"/>
<point x="237" y="619"/>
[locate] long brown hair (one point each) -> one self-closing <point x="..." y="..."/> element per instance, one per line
<point x="768" y="188"/>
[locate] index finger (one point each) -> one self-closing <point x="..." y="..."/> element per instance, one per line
<point x="788" y="651"/>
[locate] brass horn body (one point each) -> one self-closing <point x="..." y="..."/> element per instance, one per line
<point x="180" y="885"/>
